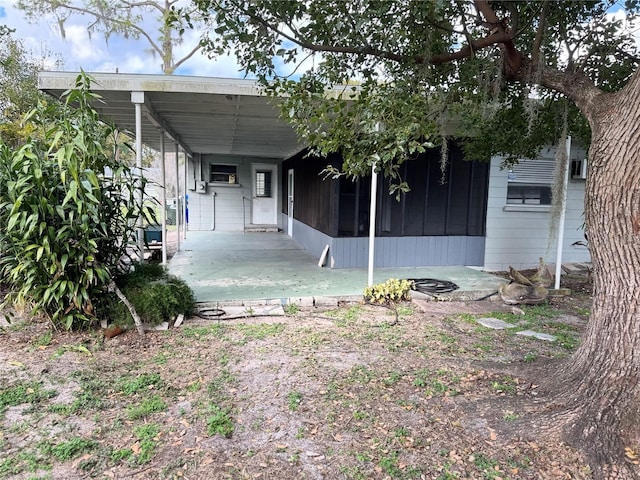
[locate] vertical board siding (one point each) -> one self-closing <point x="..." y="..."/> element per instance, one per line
<point x="520" y="238"/>
<point x="394" y="251"/>
<point x="313" y="202"/>
<point x="312" y="240"/>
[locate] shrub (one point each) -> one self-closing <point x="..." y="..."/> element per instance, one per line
<point x="156" y="296"/>
<point x="64" y="222"/>
<point x="389" y="292"/>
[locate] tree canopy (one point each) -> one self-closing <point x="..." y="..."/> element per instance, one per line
<point x="130" y="19"/>
<point x="18" y="86"/>
<point x="401" y="65"/>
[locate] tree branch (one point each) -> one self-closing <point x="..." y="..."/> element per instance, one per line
<point x="113" y="20"/>
<point x="537" y="43"/>
<point x="185" y="58"/>
<point x="136" y="318"/>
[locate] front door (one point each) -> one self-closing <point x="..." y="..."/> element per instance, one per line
<point x="290" y="203"/>
<point x="265" y="194"/>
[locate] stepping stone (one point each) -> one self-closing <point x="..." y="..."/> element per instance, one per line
<point x="538" y="335"/>
<point x="494" y="323"/>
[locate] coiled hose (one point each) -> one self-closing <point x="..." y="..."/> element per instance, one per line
<point x="432" y="286"/>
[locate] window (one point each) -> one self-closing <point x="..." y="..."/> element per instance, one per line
<point x="263" y="183"/>
<point x="220" y="173"/>
<point x="530" y="182"/>
<point x="529" y="194"/>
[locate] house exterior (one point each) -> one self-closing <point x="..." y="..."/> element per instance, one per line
<point x="519" y="213"/>
<point x="475" y="214"/>
<point x="246" y="171"/>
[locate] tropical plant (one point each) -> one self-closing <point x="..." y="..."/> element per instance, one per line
<point x="67" y="209"/>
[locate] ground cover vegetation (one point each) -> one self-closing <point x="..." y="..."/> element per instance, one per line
<point x="515" y="75"/>
<point x="341" y="392"/>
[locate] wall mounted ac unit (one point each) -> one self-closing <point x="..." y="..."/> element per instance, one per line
<point x="201" y="186"/>
<point x="579" y="169"/>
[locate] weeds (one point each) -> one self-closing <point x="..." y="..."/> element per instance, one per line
<point x="146" y="381"/>
<point x="43" y="340"/>
<point x="91" y="396"/>
<point x="435" y="383"/>
<point x="24" y="392"/>
<point x="291" y="309"/>
<point x="219" y="422"/>
<point x="200" y="332"/>
<point x="147" y="435"/>
<point x="345" y="317"/>
<point x="146" y="407"/>
<point x="69" y="449"/>
<point x="294" y="400"/>
<point x="506" y="385"/>
<point x="260" y="331"/>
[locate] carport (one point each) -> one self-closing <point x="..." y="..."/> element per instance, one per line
<point x="272" y="268"/>
<point x="196" y="116"/>
<point x="213" y="116"/>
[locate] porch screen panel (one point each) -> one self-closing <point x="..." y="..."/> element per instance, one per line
<point x="460" y="188"/>
<point x="405" y="217"/>
<point x="437" y="196"/>
<point x="478" y="198"/>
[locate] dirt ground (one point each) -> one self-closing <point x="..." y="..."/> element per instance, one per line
<point x="334" y="393"/>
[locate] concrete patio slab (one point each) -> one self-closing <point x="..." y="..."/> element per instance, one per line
<point x="271" y="268"/>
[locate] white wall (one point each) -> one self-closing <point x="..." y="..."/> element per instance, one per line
<point x="224" y="208"/>
<point x="519" y="235"/>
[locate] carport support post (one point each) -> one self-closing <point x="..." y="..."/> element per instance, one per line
<point x="185" y="206"/>
<point x="178" y="204"/>
<point x="138" y="99"/>
<point x="372" y="221"/>
<point x="563" y="210"/>
<point x="163" y="214"/>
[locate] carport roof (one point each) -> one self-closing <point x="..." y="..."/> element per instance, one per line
<point x="203" y="114"/>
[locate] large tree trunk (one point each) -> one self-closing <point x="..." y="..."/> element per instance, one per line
<point x="599" y="385"/>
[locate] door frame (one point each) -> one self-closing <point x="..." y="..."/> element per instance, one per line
<point x="290" y="190"/>
<point x="255" y="167"/>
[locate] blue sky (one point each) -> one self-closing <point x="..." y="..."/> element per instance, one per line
<point x="79" y="50"/>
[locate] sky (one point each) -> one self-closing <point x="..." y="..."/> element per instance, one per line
<point x="79" y="50"/>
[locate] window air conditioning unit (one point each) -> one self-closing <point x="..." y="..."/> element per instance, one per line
<point x="579" y="169"/>
<point x="201" y="186"/>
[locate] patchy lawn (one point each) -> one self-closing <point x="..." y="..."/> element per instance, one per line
<point x="333" y="393"/>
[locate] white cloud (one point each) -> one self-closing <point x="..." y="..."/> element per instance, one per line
<point x="82" y="47"/>
<point x="78" y="50"/>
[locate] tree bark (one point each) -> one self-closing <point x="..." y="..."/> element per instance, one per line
<point x="600" y="383"/>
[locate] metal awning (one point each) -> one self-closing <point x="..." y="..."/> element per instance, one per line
<point x="202" y="114"/>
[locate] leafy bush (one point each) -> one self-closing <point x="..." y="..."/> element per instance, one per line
<point x="64" y="222"/>
<point x="156" y="296"/>
<point x="391" y="291"/>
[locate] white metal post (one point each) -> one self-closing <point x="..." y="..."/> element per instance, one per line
<point x="565" y="182"/>
<point x="372" y="222"/>
<point x="138" y="99"/>
<point x="178" y="203"/>
<point x="184" y="205"/>
<point x="163" y="214"/>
